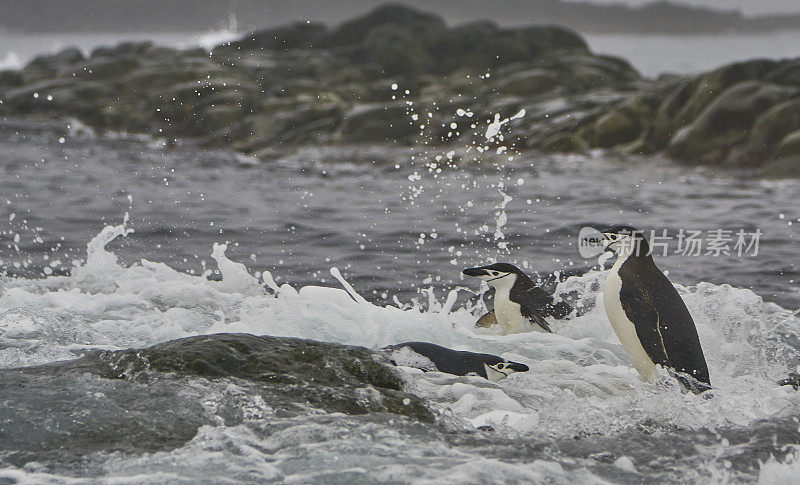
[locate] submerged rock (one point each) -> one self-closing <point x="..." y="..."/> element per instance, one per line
<point x="157" y="398"/>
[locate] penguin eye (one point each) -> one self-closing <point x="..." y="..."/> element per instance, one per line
<point x="501" y="366"/>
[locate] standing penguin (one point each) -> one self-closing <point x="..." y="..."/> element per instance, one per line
<point x="647" y="313"/>
<point x="519" y="305"/>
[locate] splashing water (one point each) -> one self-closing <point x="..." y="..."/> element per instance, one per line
<point x="580" y="382"/>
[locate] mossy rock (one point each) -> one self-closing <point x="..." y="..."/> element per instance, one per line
<point x="563" y="143"/>
<point x="215" y="117"/>
<point x="379" y="122"/>
<point x="709" y="86"/>
<point x="766" y="134"/>
<point x="106" y="67"/>
<point x="669" y="115"/>
<point x="397" y="51"/>
<point x="11" y="79"/>
<point x="786" y="167"/>
<point x="623" y="124"/>
<point x="528" y="83"/>
<point x="300" y="35"/>
<point x="126" y="48"/>
<point x="66" y="57"/>
<point x="551" y="39"/>
<point x="293" y="372"/>
<point x="790" y="145"/>
<point x="355" y="31"/>
<point x="786" y="73"/>
<point x="33" y="97"/>
<point x="726" y="122"/>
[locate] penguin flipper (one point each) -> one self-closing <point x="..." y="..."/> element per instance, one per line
<point x="646" y="321"/>
<point x="535" y="318"/>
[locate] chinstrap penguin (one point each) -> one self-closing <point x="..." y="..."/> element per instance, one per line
<point x="519" y="305"/>
<point x="647" y="313"/>
<point x="431" y="357"/>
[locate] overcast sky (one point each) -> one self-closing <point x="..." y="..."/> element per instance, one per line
<point x="749" y="7"/>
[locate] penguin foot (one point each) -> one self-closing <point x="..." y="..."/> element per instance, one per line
<point x="689" y="383"/>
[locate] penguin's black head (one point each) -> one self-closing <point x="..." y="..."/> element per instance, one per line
<point x="495" y="273"/>
<point x="625" y="239"/>
<point x="501" y="370"/>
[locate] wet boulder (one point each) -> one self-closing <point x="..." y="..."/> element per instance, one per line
<point x="767" y="133"/>
<point x="623" y="124"/>
<point x="378" y="122"/>
<point x="551" y="39"/>
<point x="790" y="145"/>
<point x="726" y="122"/>
<point x="397" y="51"/>
<point x="300" y="35"/>
<point x="291" y="373"/>
<point x="784" y="167"/>
<point x="532" y="82"/>
<point x="710" y="85"/>
<point x="564" y="143"/>
<point x="66" y="57"/>
<point x="158" y="398"/>
<point x="356" y="31"/>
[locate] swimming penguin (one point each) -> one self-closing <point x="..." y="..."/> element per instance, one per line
<point x="647" y="313"/>
<point x="432" y="357"/>
<point x="519" y="305"/>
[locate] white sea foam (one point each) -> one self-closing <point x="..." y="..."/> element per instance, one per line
<point x="579" y="380"/>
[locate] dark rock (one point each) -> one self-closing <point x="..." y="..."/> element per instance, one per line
<point x="156" y="399"/>
<point x="354" y="32"/>
<point x="670" y="115"/>
<point x="124" y="48"/>
<point x="302" y="83"/>
<point x="397" y="51"/>
<point x="708" y="86"/>
<point x="726" y="122"/>
<point x="300" y="35"/>
<point x="622" y="125"/>
<point x="10" y="79"/>
<point x="790" y="145"/>
<point x="564" y="144"/>
<point x="785" y="167"/>
<point x="528" y="83"/>
<point x="552" y="39"/>
<point x="786" y="73"/>
<point x="384" y="122"/>
<point x="294" y="372"/>
<point x="766" y="134"/>
<point x="68" y="56"/>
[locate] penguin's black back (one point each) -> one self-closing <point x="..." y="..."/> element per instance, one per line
<point x="663" y="323"/>
<point x="457" y="362"/>
<point x="526" y="293"/>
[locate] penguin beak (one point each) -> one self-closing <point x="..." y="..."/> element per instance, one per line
<point x="517" y="367"/>
<point x="609" y="242"/>
<point x="475" y="272"/>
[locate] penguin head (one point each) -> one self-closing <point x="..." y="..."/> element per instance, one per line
<point x="498" y="274"/>
<point x="625" y="240"/>
<point x="503" y="369"/>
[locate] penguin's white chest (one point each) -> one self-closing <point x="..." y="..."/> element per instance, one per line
<point x="508" y="314"/>
<point x="623" y="327"/>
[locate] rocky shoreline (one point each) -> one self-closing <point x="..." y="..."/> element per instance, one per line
<point x="397" y="75"/>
